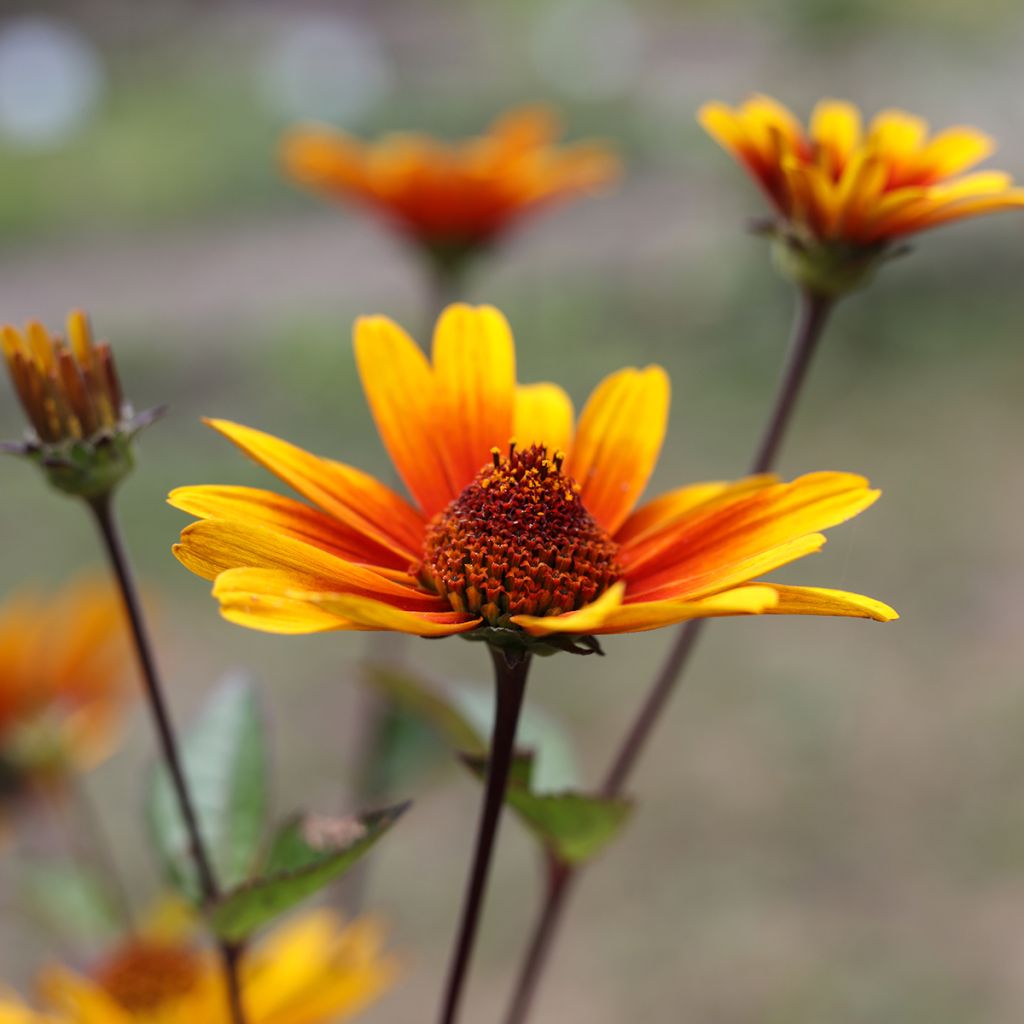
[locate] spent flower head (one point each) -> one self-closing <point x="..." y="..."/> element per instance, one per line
<point x="522" y="529"/>
<point x="452" y="199"/>
<point x="843" y="194"/>
<point x="81" y="427"/>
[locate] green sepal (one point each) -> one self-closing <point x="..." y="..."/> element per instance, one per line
<point x="225" y="761"/>
<point x="308" y="853"/>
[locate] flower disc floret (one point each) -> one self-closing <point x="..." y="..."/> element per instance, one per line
<point x="145" y="975"/>
<point x="518" y="541"/>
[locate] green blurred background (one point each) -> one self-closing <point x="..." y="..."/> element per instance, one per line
<point x="831" y="824"/>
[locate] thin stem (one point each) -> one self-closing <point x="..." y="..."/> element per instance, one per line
<point x="811" y="316"/>
<point x="510" y="685"/>
<point x="104" y="512"/>
<point x="559" y="884"/>
<point x="446" y="283"/>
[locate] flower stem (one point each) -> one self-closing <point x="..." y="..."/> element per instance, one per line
<point x="106" y="521"/>
<point x="811" y="316"/>
<point x="510" y="685"/>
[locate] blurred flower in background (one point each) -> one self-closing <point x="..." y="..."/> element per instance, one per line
<point x="62" y="684"/>
<point x="314" y="969"/>
<point x="453" y="200"/>
<point x="51" y="81"/>
<point x="842" y="193"/>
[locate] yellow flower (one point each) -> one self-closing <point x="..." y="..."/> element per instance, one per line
<point x="62" y="691"/>
<point x="534" y="538"/>
<point x="312" y="970"/>
<point x="839" y="182"/>
<point x="452" y="198"/>
<point x="81" y="426"/>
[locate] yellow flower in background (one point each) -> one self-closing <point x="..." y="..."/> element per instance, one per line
<point x="452" y="197"/>
<point x="538" y="537"/>
<point x="839" y="180"/>
<point x="839" y="186"/>
<point x="62" y="682"/>
<point x="312" y="970"/>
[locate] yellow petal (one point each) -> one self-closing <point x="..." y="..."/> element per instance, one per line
<point x="618" y="442"/>
<point x="583" y="620"/>
<point x="818" y="601"/>
<point x="82" y="1000"/>
<point x="836" y="127"/>
<point x="349" y="495"/>
<point x="402" y="394"/>
<point x="954" y="151"/>
<point x="258" y="599"/>
<point x="374" y="614"/>
<point x="543" y="415"/>
<point x="475" y="375"/>
<point x="212" y="546"/>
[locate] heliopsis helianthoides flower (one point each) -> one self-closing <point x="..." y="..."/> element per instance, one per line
<point x="80" y="425"/>
<point x="843" y="193"/>
<point x="62" y="684"/>
<point x="452" y="198"/>
<point x="313" y="970"/>
<point x="521" y="530"/>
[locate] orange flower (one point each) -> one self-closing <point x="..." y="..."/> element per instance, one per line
<point x="452" y="198"/>
<point x="61" y="681"/>
<point x="537" y="538"/>
<point x="838" y="182"/>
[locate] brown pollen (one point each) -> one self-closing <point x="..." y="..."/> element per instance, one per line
<point x="145" y="975"/>
<point x="518" y="541"/>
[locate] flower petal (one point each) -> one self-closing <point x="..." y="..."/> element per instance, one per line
<point x="747" y="528"/>
<point x="819" y="601"/>
<point x="543" y="415"/>
<point x="475" y="375"/>
<point x="212" y="546"/>
<point x="290" y="517"/>
<point x="402" y="393"/>
<point x="354" y="498"/>
<point x="668" y="509"/>
<point x="618" y="441"/>
<point x="584" y="620"/>
<point x="373" y="614"/>
<point x="258" y="599"/>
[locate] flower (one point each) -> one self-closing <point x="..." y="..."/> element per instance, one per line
<point x="515" y="542"/>
<point x="843" y="194"/>
<point x="313" y="970"/>
<point x="81" y="426"/>
<point x="452" y="198"/>
<point x="62" y="692"/>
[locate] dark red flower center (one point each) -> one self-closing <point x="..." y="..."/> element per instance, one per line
<point x="518" y="541"/>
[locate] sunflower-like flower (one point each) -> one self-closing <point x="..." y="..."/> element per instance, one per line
<point x="521" y="529"/>
<point x="452" y="199"/>
<point x="81" y="425"/>
<point x="313" y="970"/>
<point x="62" y="692"/>
<point x="843" y="193"/>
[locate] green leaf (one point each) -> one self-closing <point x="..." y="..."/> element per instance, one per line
<point x="70" y="901"/>
<point x="410" y="692"/>
<point x="225" y="763"/>
<point x="575" y="827"/>
<point x="307" y="853"/>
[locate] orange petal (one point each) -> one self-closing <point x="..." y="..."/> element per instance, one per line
<point x="544" y="415"/>
<point x="475" y="378"/>
<point x="818" y="601"/>
<point x="739" y="533"/>
<point x="618" y="441"/>
<point x="290" y="517"/>
<point x="402" y="392"/>
<point x="836" y="128"/>
<point x="349" y="495"/>
<point x="670" y="508"/>
<point x="212" y="546"/>
<point x="372" y="614"/>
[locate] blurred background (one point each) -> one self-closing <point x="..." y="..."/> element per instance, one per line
<point x="831" y="825"/>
